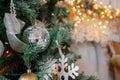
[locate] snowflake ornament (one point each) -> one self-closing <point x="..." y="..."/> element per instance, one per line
<point x="66" y="70"/>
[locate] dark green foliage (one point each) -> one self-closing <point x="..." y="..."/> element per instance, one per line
<point x="4" y="7"/>
<point x="13" y="64"/>
<point x="2" y="30"/>
<point x="24" y="10"/>
<point x="58" y="14"/>
<point x="30" y="54"/>
<point x="61" y="34"/>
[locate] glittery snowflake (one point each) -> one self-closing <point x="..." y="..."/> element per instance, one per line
<point x="66" y="70"/>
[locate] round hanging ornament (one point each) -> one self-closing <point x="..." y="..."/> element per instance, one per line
<point x="28" y="76"/>
<point x="37" y="36"/>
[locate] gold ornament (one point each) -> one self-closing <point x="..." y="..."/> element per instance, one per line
<point x="28" y="76"/>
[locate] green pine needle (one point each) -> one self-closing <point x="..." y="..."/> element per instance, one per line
<point x="30" y="54"/>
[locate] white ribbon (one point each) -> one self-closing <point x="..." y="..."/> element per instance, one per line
<point x="13" y="27"/>
<point x="11" y="23"/>
<point x="15" y="43"/>
<point x="1" y="48"/>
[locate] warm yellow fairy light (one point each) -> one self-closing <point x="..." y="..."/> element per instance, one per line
<point x="103" y="31"/>
<point x="75" y="24"/>
<point x="102" y="16"/>
<point x="67" y="11"/>
<point x="84" y="15"/>
<point x="70" y="2"/>
<point x="105" y="6"/>
<point x="107" y="22"/>
<point x="94" y="14"/>
<point x="110" y="6"/>
<point x="93" y="19"/>
<point x="102" y="12"/>
<point x="104" y="27"/>
<point x="107" y="10"/>
<point x="78" y="22"/>
<point x="88" y="19"/>
<point x="53" y="14"/>
<point x="77" y="17"/>
<point x="94" y="25"/>
<point x="101" y="27"/>
<point x="78" y="6"/>
<point x="117" y="12"/>
<point x="78" y="11"/>
<point x="74" y="9"/>
<point x="93" y="1"/>
<point x="101" y="3"/>
<point x="99" y="23"/>
<point x="95" y="6"/>
<point x="45" y="1"/>
<point x="89" y="12"/>
<point x="111" y="17"/>
<point x="82" y="5"/>
<point x="78" y="1"/>
<point x="82" y="18"/>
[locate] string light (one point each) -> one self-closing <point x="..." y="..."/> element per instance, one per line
<point x="103" y="31"/>
<point x="117" y="12"/>
<point x="7" y="53"/>
<point x="101" y="3"/>
<point x="88" y="20"/>
<point x="82" y="18"/>
<point x="95" y="6"/>
<point x="104" y="27"/>
<point x="95" y="18"/>
<point x="53" y="14"/>
<point x="111" y="17"/>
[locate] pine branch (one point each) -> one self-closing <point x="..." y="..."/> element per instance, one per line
<point x="24" y="9"/>
<point x="45" y="67"/>
<point x="30" y="54"/>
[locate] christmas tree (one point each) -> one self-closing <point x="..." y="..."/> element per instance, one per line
<point x="44" y="18"/>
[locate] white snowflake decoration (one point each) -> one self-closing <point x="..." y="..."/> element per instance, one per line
<point x="71" y="69"/>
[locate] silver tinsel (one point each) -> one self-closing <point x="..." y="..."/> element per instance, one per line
<point x="37" y="36"/>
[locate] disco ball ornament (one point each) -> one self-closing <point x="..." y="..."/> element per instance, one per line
<point x="37" y="36"/>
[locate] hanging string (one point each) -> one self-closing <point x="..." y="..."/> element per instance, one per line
<point x="12" y="8"/>
<point x="59" y="49"/>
